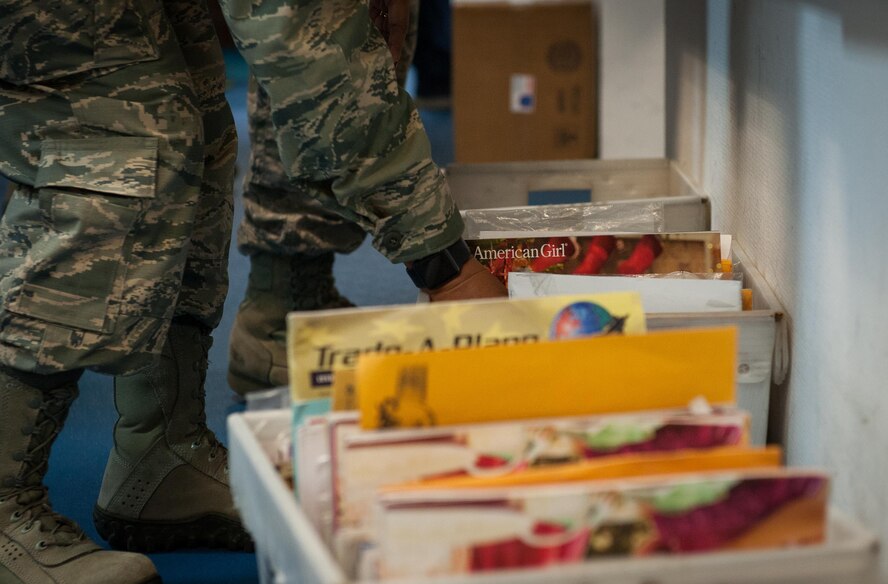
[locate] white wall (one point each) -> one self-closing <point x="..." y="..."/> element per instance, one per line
<point x="779" y="108"/>
<point x="632" y="79"/>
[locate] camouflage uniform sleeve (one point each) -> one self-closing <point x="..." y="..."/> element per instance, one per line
<point x="343" y="123"/>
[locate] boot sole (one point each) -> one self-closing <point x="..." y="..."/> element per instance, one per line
<point x="207" y="532"/>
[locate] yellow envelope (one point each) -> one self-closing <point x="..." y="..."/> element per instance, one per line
<point x="617" y="467"/>
<point x="343" y="392"/>
<point x="549" y="379"/>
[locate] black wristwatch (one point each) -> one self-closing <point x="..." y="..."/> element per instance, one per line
<point x="435" y="270"/>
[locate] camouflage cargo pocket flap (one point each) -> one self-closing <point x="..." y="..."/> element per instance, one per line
<point x="120" y="165"/>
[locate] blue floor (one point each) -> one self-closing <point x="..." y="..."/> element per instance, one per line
<point x="79" y="456"/>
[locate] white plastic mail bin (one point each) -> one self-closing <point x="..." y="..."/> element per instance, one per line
<point x="762" y="358"/>
<point x="627" y="182"/>
<point x="290" y="552"/>
<point x="761" y="351"/>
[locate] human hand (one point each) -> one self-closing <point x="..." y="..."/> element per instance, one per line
<point x="473" y="281"/>
<point x="391" y="18"/>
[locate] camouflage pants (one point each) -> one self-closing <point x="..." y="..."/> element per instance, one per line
<point x="116" y="135"/>
<point x="334" y="120"/>
<point x="284" y="216"/>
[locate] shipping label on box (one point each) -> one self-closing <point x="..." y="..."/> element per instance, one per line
<point x="522" y="94"/>
<point x="524" y="81"/>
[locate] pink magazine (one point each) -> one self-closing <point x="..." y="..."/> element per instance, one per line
<point x="313" y="467"/>
<point x="363" y="461"/>
<point x="434" y="533"/>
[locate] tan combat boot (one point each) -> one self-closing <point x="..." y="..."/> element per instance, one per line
<point x="257" y="350"/>
<point x="38" y="546"/>
<point x="166" y="482"/>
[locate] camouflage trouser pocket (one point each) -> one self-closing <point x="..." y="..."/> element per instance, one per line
<point x="43" y="41"/>
<point x="90" y="195"/>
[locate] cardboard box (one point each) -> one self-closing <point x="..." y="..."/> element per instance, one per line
<point x="525" y="81"/>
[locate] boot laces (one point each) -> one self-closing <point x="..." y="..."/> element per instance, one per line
<point x="28" y="490"/>
<point x="34" y="506"/>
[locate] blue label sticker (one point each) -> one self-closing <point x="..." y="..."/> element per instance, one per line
<point x="559" y="197"/>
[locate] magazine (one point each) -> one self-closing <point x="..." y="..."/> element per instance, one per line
<point x="363" y="461"/>
<point x="323" y="343"/>
<point x="450" y="532"/>
<point x="620" y="254"/>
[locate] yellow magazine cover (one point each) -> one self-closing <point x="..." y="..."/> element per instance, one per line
<point x="565" y="378"/>
<point x="322" y="344"/>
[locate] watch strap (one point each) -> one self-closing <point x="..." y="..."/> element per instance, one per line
<point x="435" y="270"/>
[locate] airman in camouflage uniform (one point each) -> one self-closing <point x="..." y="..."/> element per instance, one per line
<point x="350" y="137"/>
<point x="121" y="149"/>
<point x="344" y="128"/>
<point x="115" y="132"/>
<point x="291" y="237"/>
<point x="284" y="216"/>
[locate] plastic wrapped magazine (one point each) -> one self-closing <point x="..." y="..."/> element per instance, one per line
<point x="659" y="295"/>
<point x="681" y="275"/>
<point x="624" y="217"/>
<point x="624" y="254"/>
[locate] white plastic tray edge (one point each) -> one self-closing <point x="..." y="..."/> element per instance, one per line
<point x="763" y="295"/>
<point x="248" y="459"/>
